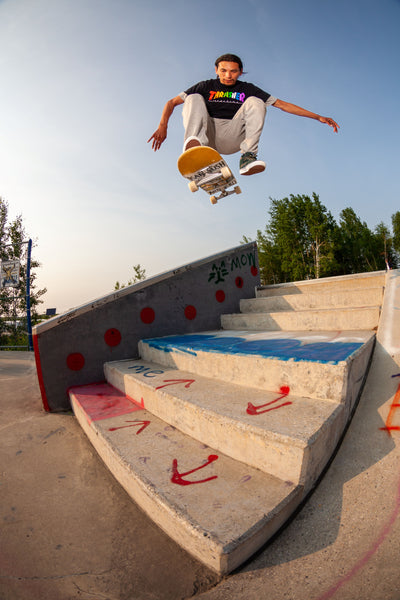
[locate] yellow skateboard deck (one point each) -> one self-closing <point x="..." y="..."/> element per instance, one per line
<point x="206" y="169"/>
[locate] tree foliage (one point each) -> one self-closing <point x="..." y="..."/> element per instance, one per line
<point x="139" y="274"/>
<point x="303" y="241"/>
<point x="396" y="231"/>
<point x="13" y="300"/>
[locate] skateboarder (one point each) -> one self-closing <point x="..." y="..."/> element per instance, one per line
<point x="227" y="114"/>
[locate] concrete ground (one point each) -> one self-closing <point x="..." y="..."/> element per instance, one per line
<point x="69" y="531"/>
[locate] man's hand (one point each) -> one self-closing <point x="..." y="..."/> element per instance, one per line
<point x="158" y="137"/>
<point x="160" y="134"/>
<point x="329" y="122"/>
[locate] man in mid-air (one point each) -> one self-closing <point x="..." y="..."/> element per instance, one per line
<point x="227" y="114"/>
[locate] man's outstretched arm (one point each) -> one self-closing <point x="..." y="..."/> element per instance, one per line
<point x="160" y="134"/>
<point x="302" y="112"/>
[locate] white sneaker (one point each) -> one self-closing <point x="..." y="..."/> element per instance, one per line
<point x="191" y="142"/>
<point x="249" y="165"/>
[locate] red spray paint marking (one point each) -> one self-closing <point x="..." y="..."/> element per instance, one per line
<point x="75" y="361"/>
<point x="102" y="401"/>
<point x="220" y="296"/>
<point x="190" y="312"/>
<point x="147" y="315"/>
<point x="35" y="339"/>
<point x="394" y="406"/>
<point x="143" y="423"/>
<point x="112" y="337"/>
<point x="178" y="477"/>
<point x="255" y="410"/>
<point x="168" y="382"/>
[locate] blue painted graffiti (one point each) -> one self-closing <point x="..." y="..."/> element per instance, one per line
<point x="282" y="349"/>
<point x="146" y="371"/>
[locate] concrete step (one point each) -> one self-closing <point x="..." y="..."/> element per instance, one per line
<point x="329" y="299"/>
<point x="220" y="510"/>
<point x="323" y="365"/>
<point x="345" y="282"/>
<point x="305" y="320"/>
<point x="279" y="433"/>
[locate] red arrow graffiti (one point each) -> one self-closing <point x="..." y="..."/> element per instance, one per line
<point x="393" y="407"/>
<point x="135" y="423"/>
<point x="178" y="477"/>
<point x="168" y="382"/>
<point x="141" y="403"/>
<point x="255" y="410"/>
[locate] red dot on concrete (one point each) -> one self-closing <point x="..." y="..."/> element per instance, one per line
<point x="220" y="296"/>
<point x="75" y="361"/>
<point x="239" y="282"/>
<point x="254" y="271"/>
<point x="190" y="312"/>
<point x="112" y="337"/>
<point x="147" y="315"/>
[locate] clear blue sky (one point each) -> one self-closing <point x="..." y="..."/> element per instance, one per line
<point x="83" y="84"/>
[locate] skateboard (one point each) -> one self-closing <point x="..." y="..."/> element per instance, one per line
<point x="206" y="169"/>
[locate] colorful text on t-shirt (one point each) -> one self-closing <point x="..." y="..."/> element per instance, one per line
<point x="233" y="95"/>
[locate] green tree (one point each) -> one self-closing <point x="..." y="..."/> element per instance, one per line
<point x="354" y="247"/>
<point x="358" y="249"/>
<point x="396" y="232"/>
<point x="269" y="263"/>
<point x="13" y="300"/>
<point x="384" y="248"/>
<point x="300" y="234"/>
<point x="139" y="275"/>
<point x="303" y="241"/>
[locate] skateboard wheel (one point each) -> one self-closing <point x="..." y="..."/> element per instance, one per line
<point x="193" y="187"/>
<point x="226" y="172"/>
<point x="237" y="190"/>
<point x="213" y="200"/>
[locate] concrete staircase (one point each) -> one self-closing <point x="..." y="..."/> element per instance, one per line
<point x="337" y="304"/>
<point x="220" y="435"/>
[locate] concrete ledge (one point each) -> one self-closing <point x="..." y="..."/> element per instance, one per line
<point x="314" y="365"/>
<point x="348" y="318"/>
<point x="71" y="349"/>
<point x="221" y="511"/>
<point x="344" y="282"/>
<point x="275" y="432"/>
<point x="324" y="299"/>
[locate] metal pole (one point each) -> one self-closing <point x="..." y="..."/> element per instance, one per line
<point x="28" y="296"/>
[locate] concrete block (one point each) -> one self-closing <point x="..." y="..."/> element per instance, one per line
<point x="275" y="432"/>
<point x="314" y="365"/>
<point x="305" y="320"/>
<point x="344" y="282"/>
<point x="306" y="301"/>
<point x="220" y="510"/>
<point x="70" y="349"/>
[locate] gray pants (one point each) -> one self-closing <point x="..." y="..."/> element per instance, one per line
<point x="225" y="135"/>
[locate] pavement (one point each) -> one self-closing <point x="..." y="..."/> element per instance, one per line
<point x="69" y="531"/>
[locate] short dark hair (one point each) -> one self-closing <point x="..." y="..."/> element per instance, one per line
<point x="229" y="58"/>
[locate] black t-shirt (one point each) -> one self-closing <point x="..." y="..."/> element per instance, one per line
<point x="223" y="101"/>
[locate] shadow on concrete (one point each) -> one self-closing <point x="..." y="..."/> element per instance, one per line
<point x="365" y="443"/>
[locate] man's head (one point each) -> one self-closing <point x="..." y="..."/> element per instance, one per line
<point x="228" y="68"/>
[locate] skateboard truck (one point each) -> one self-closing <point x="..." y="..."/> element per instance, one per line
<point x="206" y="169"/>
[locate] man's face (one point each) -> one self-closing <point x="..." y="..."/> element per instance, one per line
<point x="228" y="72"/>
